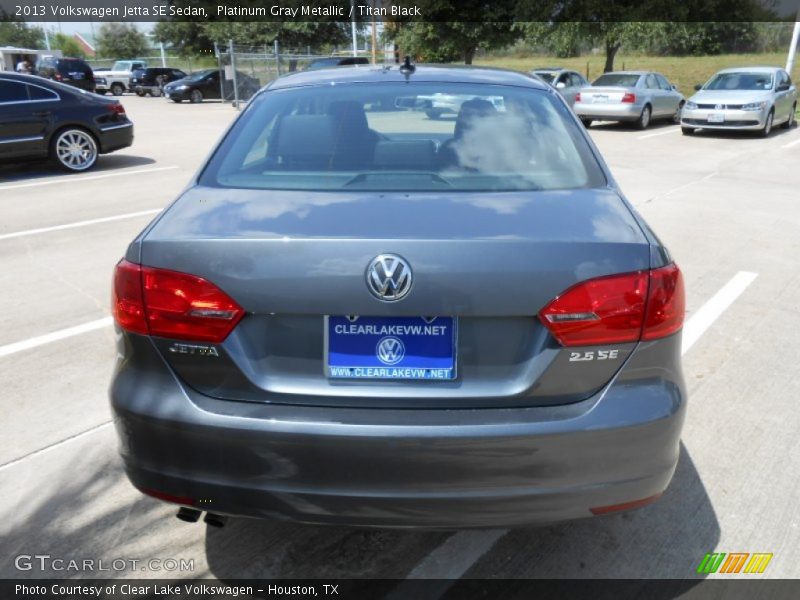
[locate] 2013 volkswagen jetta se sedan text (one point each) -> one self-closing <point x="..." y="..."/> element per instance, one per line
<point x="358" y="314"/>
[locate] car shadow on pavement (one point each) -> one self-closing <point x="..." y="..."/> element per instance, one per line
<point x="623" y="127"/>
<point x="665" y="540"/>
<point x="32" y="170"/>
<point x="777" y="132"/>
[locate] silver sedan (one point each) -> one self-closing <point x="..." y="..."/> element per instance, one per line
<point x="752" y="98"/>
<point x="568" y="83"/>
<point x="636" y="97"/>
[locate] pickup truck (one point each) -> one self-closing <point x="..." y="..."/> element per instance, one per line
<point x="118" y="79"/>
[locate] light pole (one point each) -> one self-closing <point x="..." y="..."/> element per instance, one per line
<point x="353" y="27"/>
<point x="793" y="46"/>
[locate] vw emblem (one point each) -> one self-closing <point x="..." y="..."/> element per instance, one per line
<point x="390" y="350"/>
<point x="388" y="277"/>
<point x="719" y="107"/>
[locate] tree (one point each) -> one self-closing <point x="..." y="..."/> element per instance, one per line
<point x="121" y="40"/>
<point x="186" y="37"/>
<point x="69" y="46"/>
<point x="455" y="31"/>
<point x="16" y="33"/>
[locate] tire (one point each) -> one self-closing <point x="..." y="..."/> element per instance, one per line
<point x="644" y="119"/>
<point x="687" y="130"/>
<point x="433" y="113"/>
<point x="768" y="125"/>
<point x="196" y="96"/>
<point x="140" y="92"/>
<point x="117" y="89"/>
<point x="790" y="122"/>
<point x="676" y="118"/>
<point x="74" y="149"/>
<point x="586" y="123"/>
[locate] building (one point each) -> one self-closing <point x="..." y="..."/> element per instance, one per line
<point x="10" y="56"/>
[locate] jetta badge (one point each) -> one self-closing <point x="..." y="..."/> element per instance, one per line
<point x="389" y="277"/>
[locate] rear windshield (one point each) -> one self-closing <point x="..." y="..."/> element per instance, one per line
<point x="740" y="81"/>
<point x="548" y="77"/>
<point x="73" y="66"/>
<point x="617" y="80"/>
<point x="405" y="137"/>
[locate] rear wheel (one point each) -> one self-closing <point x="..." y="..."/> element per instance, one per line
<point x="117" y="89"/>
<point x="74" y="149"/>
<point x="196" y="96"/>
<point x="790" y="121"/>
<point x="768" y="125"/>
<point x="433" y="113"/>
<point x="644" y="118"/>
<point x="586" y="122"/>
<point x="140" y="92"/>
<point x="687" y="130"/>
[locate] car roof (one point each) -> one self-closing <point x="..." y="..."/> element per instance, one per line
<point x="639" y="73"/>
<point x="421" y="73"/>
<point x="756" y="69"/>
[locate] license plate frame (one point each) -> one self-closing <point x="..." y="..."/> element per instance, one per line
<point x="425" y="353"/>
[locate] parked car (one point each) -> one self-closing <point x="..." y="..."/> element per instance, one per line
<point x="205" y="85"/>
<point x="336" y="61"/>
<point x="117" y="80"/>
<point x="748" y="98"/>
<point x="41" y="118"/>
<point x="637" y="97"/>
<point x="568" y="83"/>
<point x="72" y="71"/>
<point x="152" y="79"/>
<point x="351" y="316"/>
<point x="438" y="104"/>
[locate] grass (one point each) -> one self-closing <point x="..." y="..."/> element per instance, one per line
<point x="683" y="71"/>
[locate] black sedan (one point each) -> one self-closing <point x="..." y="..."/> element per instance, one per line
<point x="205" y="85"/>
<point x="40" y="118"/>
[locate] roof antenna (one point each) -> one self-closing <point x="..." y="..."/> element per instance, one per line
<point x="407" y="68"/>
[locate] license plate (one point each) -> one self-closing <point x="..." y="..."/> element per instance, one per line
<point x="716" y="118"/>
<point x="390" y="347"/>
<point x="597" y="99"/>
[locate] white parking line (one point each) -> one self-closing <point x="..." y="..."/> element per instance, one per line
<point x="456" y="555"/>
<point x="714" y="307"/>
<point x="656" y="134"/>
<point x="41" y="340"/>
<point x="72" y="179"/>
<point x="16" y="234"/>
<point x="72" y="438"/>
<point x="791" y="144"/>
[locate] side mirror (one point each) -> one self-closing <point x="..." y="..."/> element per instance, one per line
<point x="783" y="87"/>
<point x="673" y="87"/>
<point x="561" y="85"/>
<point x="698" y="87"/>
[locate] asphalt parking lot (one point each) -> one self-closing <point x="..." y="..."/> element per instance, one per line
<point x="728" y="206"/>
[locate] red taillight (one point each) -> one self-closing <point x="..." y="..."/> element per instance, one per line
<point x="578" y="97"/>
<point x="666" y="303"/>
<point x="117" y="108"/>
<point x="629" y="98"/>
<point x="58" y="77"/>
<point x="618" y="309"/>
<point x="171" y="304"/>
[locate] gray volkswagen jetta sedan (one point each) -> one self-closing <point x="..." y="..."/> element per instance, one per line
<point x="356" y="314"/>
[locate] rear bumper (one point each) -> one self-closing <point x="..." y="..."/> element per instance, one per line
<point x="115" y="137"/>
<point x="400" y="468"/>
<point x="608" y="112"/>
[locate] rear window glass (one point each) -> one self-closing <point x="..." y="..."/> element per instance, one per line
<point x="398" y="137"/>
<point x="617" y="79"/>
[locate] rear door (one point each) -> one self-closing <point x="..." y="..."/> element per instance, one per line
<point x="23" y="122"/>
<point x="671" y="97"/>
